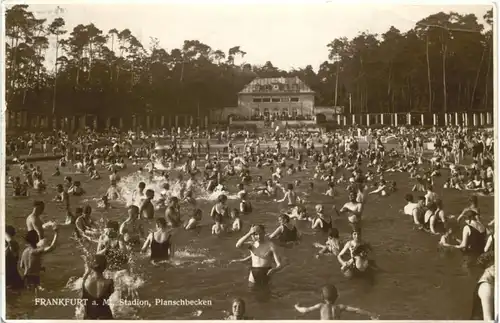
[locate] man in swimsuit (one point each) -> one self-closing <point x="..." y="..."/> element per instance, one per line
<point x="354" y="210"/>
<point x="262" y="252"/>
<point x="132" y="229"/>
<point x="33" y="221"/>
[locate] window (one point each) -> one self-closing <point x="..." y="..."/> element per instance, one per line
<point x="294" y="99"/>
<point x="287" y="99"/>
<point x="275" y="99"/>
<point x="266" y="100"/>
<point x="257" y="100"/>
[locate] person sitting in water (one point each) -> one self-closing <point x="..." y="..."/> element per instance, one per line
<point x="332" y="244"/>
<point x="76" y="189"/>
<point x="113" y="192"/>
<point x="85" y="225"/>
<point x="286" y="231"/>
<point x="329" y="310"/>
<point x="290" y="196"/>
<point x="262" y="252"/>
<point x="218" y="227"/>
<point x="57" y="172"/>
<point x="432" y="222"/>
<point x="235" y="217"/>
<point x="19" y="189"/>
<point x="194" y="220"/>
<point x="31" y="258"/>
<point x="159" y="242"/>
<point x="96" y="290"/>
<point x="353" y="262"/>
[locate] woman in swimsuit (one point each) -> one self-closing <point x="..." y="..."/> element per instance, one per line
<point x="160" y="243"/>
<point x="432" y="222"/>
<point x="96" y="291"/>
<point x="112" y="246"/>
<point x="286" y="232"/>
<point x="473" y="236"/>
<point x="220" y="208"/>
<point x="322" y="222"/>
<point x="349" y="266"/>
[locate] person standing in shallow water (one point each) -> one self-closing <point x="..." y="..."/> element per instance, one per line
<point x="160" y="242"/>
<point x="96" y="290"/>
<point x="12" y="278"/>
<point x="329" y="310"/>
<point x="262" y="252"/>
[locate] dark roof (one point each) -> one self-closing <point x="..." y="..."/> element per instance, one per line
<point x="276" y="85"/>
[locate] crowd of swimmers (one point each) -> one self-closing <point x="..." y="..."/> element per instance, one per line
<point x="337" y="161"/>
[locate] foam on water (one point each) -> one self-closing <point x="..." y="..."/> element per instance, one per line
<point x="128" y="185"/>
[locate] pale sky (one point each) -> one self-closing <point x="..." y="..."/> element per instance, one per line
<point x="290" y="36"/>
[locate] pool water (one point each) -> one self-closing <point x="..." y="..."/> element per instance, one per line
<point x="418" y="281"/>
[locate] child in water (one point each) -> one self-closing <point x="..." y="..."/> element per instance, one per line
<point x="238" y="310"/>
<point x="218" y="228"/>
<point x="329" y="310"/>
<point x="332" y="244"/>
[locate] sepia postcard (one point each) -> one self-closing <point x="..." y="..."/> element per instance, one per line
<point x="249" y="160"/>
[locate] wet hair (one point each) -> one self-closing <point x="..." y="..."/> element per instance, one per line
<point x="99" y="263"/>
<point x="241" y="302"/>
<point x="470" y="215"/>
<point x="133" y="207"/>
<point x="113" y="225"/>
<point x="38" y="204"/>
<point x="222" y="198"/>
<point x="150" y="193"/>
<point x="333" y="233"/>
<point x="142" y="185"/>
<point x="432" y="206"/>
<point x="87" y="210"/>
<point x="32" y="238"/>
<point x="161" y="222"/>
<point x="330" y="293"/>
<point x="10" y="230"/>
<point x="285" y="217"/>
<point x="409" y="198"/>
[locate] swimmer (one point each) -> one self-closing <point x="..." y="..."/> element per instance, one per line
<point x="263" y="252"/>
<point x="332" y="244"/>
<point x="286" y="231"/>
<point x="238" y="309"/>
<point x="329" y="310"/>
<point x="147" y="209"/>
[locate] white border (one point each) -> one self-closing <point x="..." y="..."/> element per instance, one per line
<point x="235" y="2"/>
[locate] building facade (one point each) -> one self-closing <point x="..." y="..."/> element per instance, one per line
<point x="282" y="98"/>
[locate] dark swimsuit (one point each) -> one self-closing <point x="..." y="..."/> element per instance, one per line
<point x="288" y="235"/>
<point x="326" y="225"/>
<point x="12" y="277"/>
<point x="117" y="259"/>
<point x="260" y="276"/>
<point x="476" y="242"/>
<point x="160" y="251"/>
<point x="96" y="307"/>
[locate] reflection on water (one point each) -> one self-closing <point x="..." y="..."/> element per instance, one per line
<point x="417" y="281"/>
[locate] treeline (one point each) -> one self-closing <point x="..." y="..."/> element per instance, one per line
<point x="445" y="63"/>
